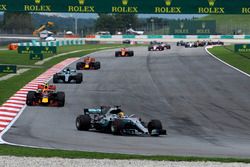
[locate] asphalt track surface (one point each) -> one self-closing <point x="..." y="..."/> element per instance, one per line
<point x="204" y="105"/>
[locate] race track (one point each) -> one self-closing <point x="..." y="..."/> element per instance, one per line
<point x="204" y="104"/>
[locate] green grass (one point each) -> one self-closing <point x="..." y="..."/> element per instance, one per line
<point x="12" y="57"/>
<point x="48" y="153"/>
<point x="227" y="24"/>
<point x="226" y="53"/>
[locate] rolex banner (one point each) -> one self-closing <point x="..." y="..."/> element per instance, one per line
<point x="191" y="27"/>
<point x="36" y="50"/>
<point x="8" y="68"/>
<point x="129" y="6"/>
<point x="242" y="48"/>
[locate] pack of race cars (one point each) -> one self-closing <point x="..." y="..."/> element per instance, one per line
<point x="198" y="43"/>
<point x="104" y="118"/>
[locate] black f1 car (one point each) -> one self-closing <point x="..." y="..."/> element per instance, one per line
<point x="45" y="95"/>
<point x="67" y="76"/>
<point x="113" y="120"/>
<point x="124" y="53"/>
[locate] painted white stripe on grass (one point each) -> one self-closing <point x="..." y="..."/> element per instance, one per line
<point x="225" y="62"/>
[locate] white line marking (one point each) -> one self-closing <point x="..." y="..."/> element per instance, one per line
<point x="225" y="62"/>
<point x="20" y="95"/>
<point x="18" y="98"/>
<point x="4" y="123"/>
<point x="12" y="105"/>
<point x="5" y="118"/>
<point x="8" y="113"/>
<point x="9" y="108"/>
<point x="15" y="101"/>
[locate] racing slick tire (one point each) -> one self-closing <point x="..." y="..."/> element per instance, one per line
<point x="83" y="122"/>
<point x="79" y="65"/>
<point x="30" y="98"/>
<point x="60" y="97"/>
<point x="131" y="53"/>
<point x="55" y="78"/>
<point x="116" y="127"/>
<point x="79" y="78"/>
<point x="117" y="54"/>
<point x="154" y="124"/>
<point x="97" y="65"/>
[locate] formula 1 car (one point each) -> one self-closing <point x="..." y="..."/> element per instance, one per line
<point x="155" y="48"/>
<point x="189" y="45"/>
<point x="124" y="53"/>
<point x="165" y="45"/>
<point x="180" y="43"/>
<point x="113" y="120"/>
<point x="67" y="76"/>
<point x="88" y="63"/>
<point x="45" y="95"/>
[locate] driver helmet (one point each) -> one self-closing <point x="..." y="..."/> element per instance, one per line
<point x="46" y="85"/>
<point x="121" y="114"/>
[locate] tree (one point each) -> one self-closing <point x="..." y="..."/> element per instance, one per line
<point x="116" y="22"/>
<point x="106" y="22"/>
<point x="14" y="22"/>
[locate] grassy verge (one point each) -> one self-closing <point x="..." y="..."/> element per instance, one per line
<point x="47" y="153"/>
<point x="10" y="86"/>
<point x="226" y="53"/>
<point x="12" y="57"/>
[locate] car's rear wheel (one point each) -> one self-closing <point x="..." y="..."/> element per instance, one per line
<point x="117" y="54"/>
<point x="154" y="125"/>
<point x="55" y="78"/>
<point x="97" y="65"/>
<point x="30" y="98"/>
<point x="79" y="78"/>
<point x="79" y="65"/>
<point x="83" y="122"/>
<point x="60" y="97"/>
<point x="131" y="53"/>
<point x="116" y="127"/>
